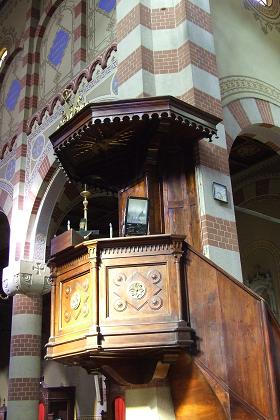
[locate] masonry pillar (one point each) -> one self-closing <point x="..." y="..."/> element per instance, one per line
<point x="27" y="281"/>
<point x="166" y="47"/>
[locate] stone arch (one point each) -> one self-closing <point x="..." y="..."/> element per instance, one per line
<point x="69" y="199"/>
<point x="42" y="209"/>
<point x="6" y="200"/>
<point x="243" y="113"/>
<point x="54" y="200"/>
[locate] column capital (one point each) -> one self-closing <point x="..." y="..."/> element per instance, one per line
<point x="26" y="277"/>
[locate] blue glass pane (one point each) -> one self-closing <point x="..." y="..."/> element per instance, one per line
<point x="59" y="44"/>
<point x="107" y="5"/>
<point x="13" y="95"/>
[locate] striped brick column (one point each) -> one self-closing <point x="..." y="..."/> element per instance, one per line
<point x="25" y="352"/>
<point x="218" y="226"/>
<point x="80" y="33"/>
<point x="30" y="79"/>
<point x="27" y="105"/>
<point x="168" y="49"/>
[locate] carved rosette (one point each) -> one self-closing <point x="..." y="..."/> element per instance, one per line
<point x="138" y="291"/>
<point x="75" y="297"/>
<point x="26" y="277"/>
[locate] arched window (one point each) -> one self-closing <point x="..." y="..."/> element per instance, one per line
<point x="3" y="54"/>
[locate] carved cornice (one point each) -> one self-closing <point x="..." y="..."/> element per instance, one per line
<point x="136" y="245"/>
<point x="267" y="16"/>
<point x="238" y="86"/>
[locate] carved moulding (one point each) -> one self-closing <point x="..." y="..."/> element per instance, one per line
<point x="26" y="277"/>
<point x="236" y="87"/>
<point x="268" y="16"/>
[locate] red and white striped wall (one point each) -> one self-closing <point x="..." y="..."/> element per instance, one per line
<point x="167" y="48"/>
<point x="25" y="358"/>
<point x="218" y="227"/>
<point x="219" y="235"/>
<point x="239" y="115"/>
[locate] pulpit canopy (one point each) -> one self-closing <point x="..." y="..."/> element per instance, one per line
<point x="106" y="142"/>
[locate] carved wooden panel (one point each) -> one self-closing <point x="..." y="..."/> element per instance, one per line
<point x="76" y="302"/>
<point x="117" y="295"/>
<point x="137" y="290"/>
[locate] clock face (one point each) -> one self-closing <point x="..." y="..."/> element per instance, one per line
<point x="220" y="192"/>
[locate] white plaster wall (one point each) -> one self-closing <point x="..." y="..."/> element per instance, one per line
<point x="56" y="374"/>
<point x="242" y="48"/>
<point x="149" y="404"/>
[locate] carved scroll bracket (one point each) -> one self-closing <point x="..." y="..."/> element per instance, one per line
<point x="26" y="277"/>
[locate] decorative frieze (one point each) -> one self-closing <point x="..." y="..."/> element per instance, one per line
<point x="247" y="86"/>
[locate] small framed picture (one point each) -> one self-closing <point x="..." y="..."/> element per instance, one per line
<point x="136" y="216"/>
<point x="220" y="192"/>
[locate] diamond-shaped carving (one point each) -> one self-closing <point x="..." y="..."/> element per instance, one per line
<point x="137" y="290"/>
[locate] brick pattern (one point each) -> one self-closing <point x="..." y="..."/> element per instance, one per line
<point x="243" y="120"/>
<point x="219" y="233"/>
<point x="163" y="18"/>
<point x="212" y="156"/>
<point x="128" y="23"/>
<point x="198" y="16"/>
<point x="130" y="66"/>
<point x="44" y="168"/>
<point x="25" y="345"/>
<point x="23" y="304"/>
<point x="202" y="58"/>
<point x="239" y="114"/>
<point x="169" y="61"/>
<point x="80" y="35"/>
<point x="19" y="176"/>
<point x="23" y="389"/>
<point x="265" y="111"/>
<point x="203" y="101"/>
<point x="80" y="8"/>
<point x="26" y="249"/>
